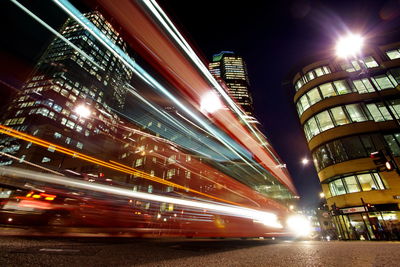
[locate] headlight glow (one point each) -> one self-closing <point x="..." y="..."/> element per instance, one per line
<point x="299" y="225"/>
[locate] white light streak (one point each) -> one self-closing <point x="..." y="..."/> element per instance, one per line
<point x="267" y="218"/>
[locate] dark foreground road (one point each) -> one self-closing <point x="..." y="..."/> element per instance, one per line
<point x="76" y="252"/>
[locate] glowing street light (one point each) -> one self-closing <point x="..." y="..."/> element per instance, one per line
<point x="82" y="111"/>
<point x="321" y="195"/>
<point x="210" y="102"/>
<point x="305" y="161"/>
<point x="349" y="46"/>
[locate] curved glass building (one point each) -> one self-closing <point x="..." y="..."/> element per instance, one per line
<point x="350" y="109"/>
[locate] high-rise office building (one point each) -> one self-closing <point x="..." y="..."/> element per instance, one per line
<point x="350" y="109"/>
<point x="68" y="81"/>
<point x="231" y="69"/>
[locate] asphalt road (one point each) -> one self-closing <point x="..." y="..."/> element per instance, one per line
<point x="84" y="251"/>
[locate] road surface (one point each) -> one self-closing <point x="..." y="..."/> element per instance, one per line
<point x="92" y="251"/>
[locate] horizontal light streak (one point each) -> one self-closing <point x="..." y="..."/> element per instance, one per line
<point x="267" y="218"/>
<point x="115" y="166"/>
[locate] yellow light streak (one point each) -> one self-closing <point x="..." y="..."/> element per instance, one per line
<point x="115" y="166"/>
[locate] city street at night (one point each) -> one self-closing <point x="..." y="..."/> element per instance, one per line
<point x="200" y="133"/>
<point x="30" y="251"/>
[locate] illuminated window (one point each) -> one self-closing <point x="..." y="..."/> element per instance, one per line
<point x="45" y="159"/>
<point x="370" y="62"/>
<point x="138" y="162"/>
<point x="313" y="127"/>
<point x="379" y="112"/>
<point x="363" y="86"/>
<point x="324" y="120"/>
<point x="172" y="159"/>
<point x="356" y="113"/>
<point x="339" y="116"/>
<point x="383" y="82"/>
<point x="342" y="87"/>
<point x="304" y="102"/>
<point x="314" y="96"/>
<point x="393" y="54"/>
<point x="57" y="135"/>
<point x="327" y="90"/>
<point x="170" y="173"/>
<point x="356" y="183"/>
<point x="351" y="184"/>
<point x="366" y="181"/>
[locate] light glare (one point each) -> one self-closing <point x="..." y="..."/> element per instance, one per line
<point x="82" y="111"/>
<point x="299" y="225"/>
<point x="210" y="102"/>
<point x="349" y="46"/>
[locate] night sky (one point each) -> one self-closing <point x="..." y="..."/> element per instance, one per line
<point x="274" y="40"/>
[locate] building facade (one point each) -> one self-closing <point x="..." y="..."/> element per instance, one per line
<point x="232" y="70"/>
<point x="75" y="72"/>
<point x="349" y="109"/>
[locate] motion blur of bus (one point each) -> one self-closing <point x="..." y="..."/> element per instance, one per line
<point x="112" y="128"/>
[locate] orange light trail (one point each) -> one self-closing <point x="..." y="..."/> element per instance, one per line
<point x="115" y="166"/>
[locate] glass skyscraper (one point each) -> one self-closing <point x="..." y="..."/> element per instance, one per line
<point x="71" y="73"/>
<point x="231" y="68"/>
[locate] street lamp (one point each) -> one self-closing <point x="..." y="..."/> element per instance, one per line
<point x="349" y="46"/>
<point x="305" y="161"/>
<point x="322" y="195"/>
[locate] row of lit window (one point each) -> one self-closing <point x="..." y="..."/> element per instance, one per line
<point x="356" y="183"/>
<point x="349" y="66"/>
<point x="354" y="147"/>
<point x="341" y="87"/>
<point x="358" y="64"/>
<point x="351" y="113"/>
<point x="68" y="140"/>
<point x="15" y="121"/>
<point x="311" y="75"/>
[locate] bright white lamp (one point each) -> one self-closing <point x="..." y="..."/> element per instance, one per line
<point x="349" y="46"/>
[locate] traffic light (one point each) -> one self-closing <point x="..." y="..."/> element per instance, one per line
<point x="383" y="161"/>
<point x="389" y="165"/>
<point x="378" y="157"/>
